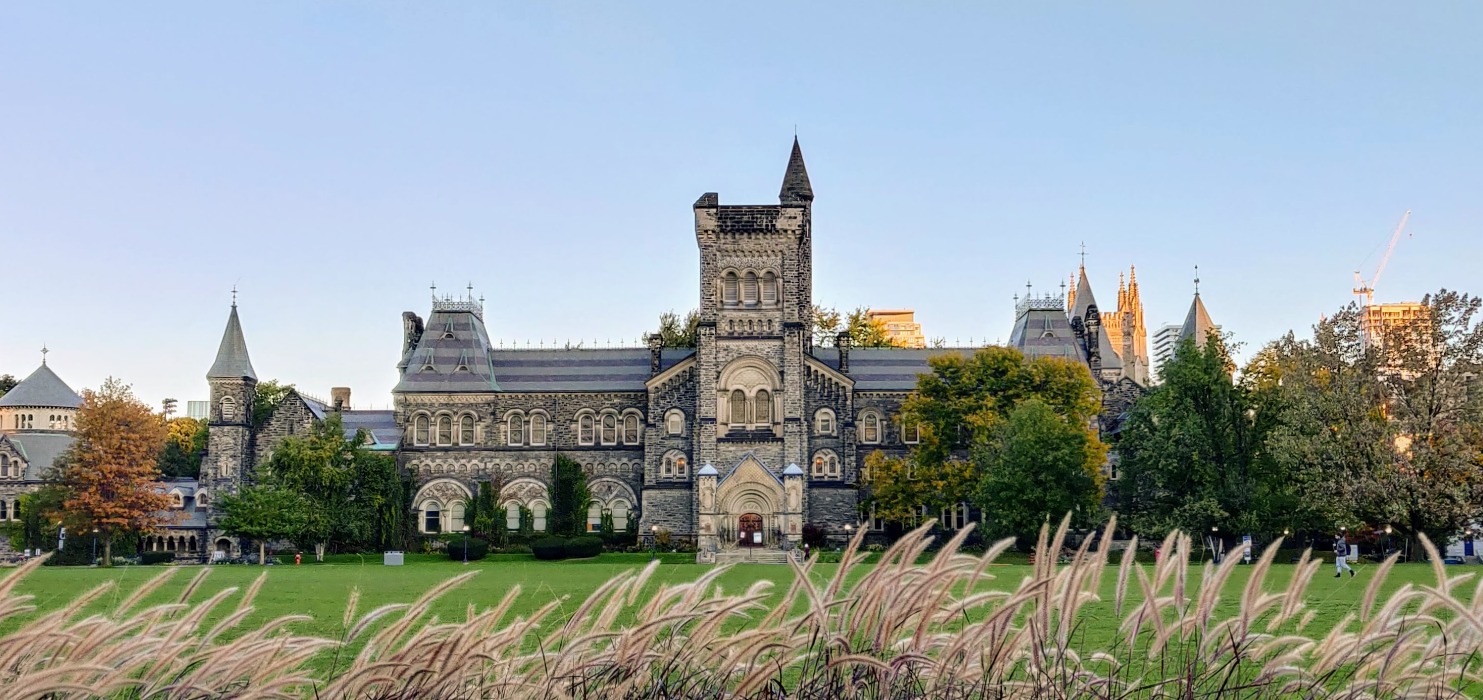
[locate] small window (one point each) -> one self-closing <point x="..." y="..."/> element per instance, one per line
<point x="824" y="422"/>
<point x="445" y="430"/>
<point x="584" y="429"/>
<point x="455" y="518"/>
<point x="516" y="429"/>
<point x="228" y="408"/>
<point x="681" y="469"/>
<point x="749" y="289"/>
<point x="911" y="432"/>
<point x="512" y="516"/>
<point x="538" y="514"/>
<point x="674" y="423"/>
<point x="177" y="500"/>
<point x="537" y="430"/>
<point x="594" y="517"/>
<point x="466" y="430"/>
<point x="826" y="465"/>
<point x="201" y="500"/>
<point x="419" y="430"/>
<point x="954" y="517"/>
<point x="609" y="429"/>
<point x="738" y="408"/>
<point x="763" y="407"/>
<point x="631" y="430"/>
<point x="431" y="522"/>
<point x="4" y="466"/>
<point x="619" y="509"/>
<point x="769" y="288"/>
<point x="667" y="469"/>
<point x="870" y="429"/>
<point x="4" y="511"/>
<point x="730" y="288"/>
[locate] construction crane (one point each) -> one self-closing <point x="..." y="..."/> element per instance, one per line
<point x="1366" y="290"/>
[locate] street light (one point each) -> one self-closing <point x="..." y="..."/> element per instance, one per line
<point x="653" y="542"/>
<point x="1387" y="539"/>
<point x="465" y="545"/>
<point x="95" y="546"/>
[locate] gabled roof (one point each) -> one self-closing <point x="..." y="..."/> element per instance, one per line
<point x="232" y="361"/>
<point x="40" y="450"/>
<point x="886" y="369"/>
<point x="796" y="187"/>
<point x="1084" y="303"/>
<point x="43" y="389"/>
<point x="1197" y="323"/>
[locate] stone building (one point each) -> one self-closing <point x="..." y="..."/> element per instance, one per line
<point x="741" y="440"/>
<point x="36" y="423"/>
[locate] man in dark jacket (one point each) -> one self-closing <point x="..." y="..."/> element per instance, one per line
<point x="1341" y="556"/>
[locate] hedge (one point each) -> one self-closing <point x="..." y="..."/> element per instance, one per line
<point x="550" y="548"/>
<point x="156" y="557"/>
<point x="583" y="547"/>
<point x="477" y="549"/>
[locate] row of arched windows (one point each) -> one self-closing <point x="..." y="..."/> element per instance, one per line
<point x="6" y="468"/>
<point x="608" y="428"/>
<point x="170" y="543"/>
<point x="10" y="510"/>
<point x="533" y="429"/>
<point x="750" y="411"/>
<point x="749" y="288"/>
<point x="444" y="430"/>
<point x="869" y="425"/>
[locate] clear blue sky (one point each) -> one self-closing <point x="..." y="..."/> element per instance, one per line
<point x="334" y="159"/>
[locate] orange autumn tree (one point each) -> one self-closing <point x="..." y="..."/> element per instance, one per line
<point x="111" y="474"/>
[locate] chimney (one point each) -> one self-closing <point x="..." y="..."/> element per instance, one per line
<point x="340" y="397"/>
<point x="842" y="341"/>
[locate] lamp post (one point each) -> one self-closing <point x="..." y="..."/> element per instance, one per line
<point x="466" y="545"/>
<point x="653" y="542"/>
<point x="1214" y="540"/>
<point x="1387" y="540"/>
<point x="95" y="546"/>
<point x="849" y="532"/>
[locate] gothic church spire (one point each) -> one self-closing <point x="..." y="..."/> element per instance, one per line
<point x="232" y="361"/>
<point x="796" y="187"/>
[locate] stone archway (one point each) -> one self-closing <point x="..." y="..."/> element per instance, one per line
<point x="751" y="490"/>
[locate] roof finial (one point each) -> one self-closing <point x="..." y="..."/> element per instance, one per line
<point x="44" y="351"/>
<point x="1197" y="280"/>
<point x="1027" y="289"/>
<point x="1083" y="256"/>
<point x="434" y="287"/>
<point x="234" y="296"/>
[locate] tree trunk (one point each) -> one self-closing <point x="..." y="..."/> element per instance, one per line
<point x="262" y="552"/>
<point x="107" y="552"/>
<point x="319" y="551"/>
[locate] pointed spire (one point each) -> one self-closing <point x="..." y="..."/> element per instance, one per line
<point x="796" y="187"/>
<point x="1197" y="323"/>
<point x="1122" y="292"/>
<point x="232" y="361"/>
<point x="1084" y="298"/>
<point x="44" y="351"/>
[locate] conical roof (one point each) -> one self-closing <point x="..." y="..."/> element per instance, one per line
<point x="796" y="187"/>
<point x="1083" y="299"/>
<point x="1197" y="323"/>
<point x="232" y="361"/>
<point x="43" y="389"/>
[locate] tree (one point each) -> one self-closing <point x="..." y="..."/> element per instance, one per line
<point x="184" y="442"/>
<point x="38" y="513"/>
<point x="266" y="399"/>
<point x="7" y="382"/>
<point x="1039" y="466"/>
<point x="111" y="472"/>
<point x="900" y="489"/>
<point x="569" y="497"/>
<point x="263" y="512"/>
<point x="675" y="332"/>
<point x="864" y="331"/>
<point x="487" y="520"/>
<point x="1190" y="452"/>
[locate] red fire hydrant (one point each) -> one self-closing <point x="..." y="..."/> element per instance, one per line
<point x="298" y="557"/>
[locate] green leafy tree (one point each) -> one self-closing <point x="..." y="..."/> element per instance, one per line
<point x="184" y="443"/>
<point x="864" y="331"/>
<point x="1039" y="466"/>
<point x="900" y="489"/>
<point x="319" y="466"/>
<point x="7" y="382"/>
<point x="677" y="332"/>
<point x="37" y="514"/>
<point x="263" y="513"/>
<point x="268" y="396"/>
<point x="1191" y="452"/>
<point x="569" y="497"/>
<point x="527" y="522"/>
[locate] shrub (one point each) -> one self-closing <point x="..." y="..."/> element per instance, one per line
<point x="148" y="558"/>
<point x="583" y="547"/>
<point x="814" y="536"/>
<point x="619" y="541"/>
<point x="477" y="549"/>
<point x="550" y="548"/>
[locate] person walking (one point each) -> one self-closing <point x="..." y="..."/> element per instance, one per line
<point x="1341" y="557"/>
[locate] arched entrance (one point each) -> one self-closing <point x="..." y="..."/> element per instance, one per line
<point x="749" y="530"/>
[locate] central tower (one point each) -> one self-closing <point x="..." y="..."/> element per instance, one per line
<point x="756" y="304"/>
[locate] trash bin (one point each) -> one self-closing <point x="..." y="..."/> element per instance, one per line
<point x="391" y="559"/>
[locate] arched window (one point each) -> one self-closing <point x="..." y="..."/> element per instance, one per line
<point x="177" y="500"/>
<point x="769" y="288"/>
<point x="4" y="511"/>
<point x="455" y="517"/>
<point x="445" y="430"/>
<point x="466" y="430"/>
<point x="824" y="422"/>
<point x="911" y="432"/>
<point x="674" y="422"/>
<point x="730" y="288"/>
<point x="870" y="428"/>
<point x="749" y="288"/>
<point x="955" y="517"/>
<point x="594" y="516"/>
<point x="682" y="471"/>
<point x="667" y="467"/>
<point x="432" y="521"/>
<point x="512" y="516"/>
<point x="537" y="429"/>
<point x="538" y="513"/>
<point x="419" y="430"/>
<point x="201" y="500"/>
<point x="516" y="429"/>
<point x="4" y="465"/>
<point x="631" y="429"/>
<point x="228" y="408"/>
<point x="609" y="429"/>
<point x="762" y="410"/>
<point x="738" y="408"/>
<point x="826" y="465"/>
<point x="584" y="429"/>
<point x="619" y="509"/>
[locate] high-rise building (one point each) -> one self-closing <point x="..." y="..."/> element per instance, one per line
<point x="901" y="327"/>
<point x="198" y="410"/>
<point x="1381" y="318"/>
<point x="1165" y="339"/>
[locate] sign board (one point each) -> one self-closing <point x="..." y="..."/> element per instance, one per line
<point x="757" y="538"/>
<point x="1246" y="548"/>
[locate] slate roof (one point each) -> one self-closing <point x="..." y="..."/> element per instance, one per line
<point x="796" y="187"/>
<point x="624" y="369"/>
<point x="1197" y="323"/>
<point x="1045" y="332"/>
<point x="886" y="369"/>
<point x="452" y="355"/>
<point x="188" y="516"/>
<point x="1084" y="302"/>
<point x="43" y="389"/>
<point x="381" y="425"/>
<point x="40" y="450"/>
<point x="232" y="361"/>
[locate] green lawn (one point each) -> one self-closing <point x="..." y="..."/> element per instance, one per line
<point x="321" y="590"/>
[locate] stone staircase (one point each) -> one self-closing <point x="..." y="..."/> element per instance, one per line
<point x="749" y="555"/>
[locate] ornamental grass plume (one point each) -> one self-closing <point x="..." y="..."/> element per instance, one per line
<point x="886" y="629"/>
